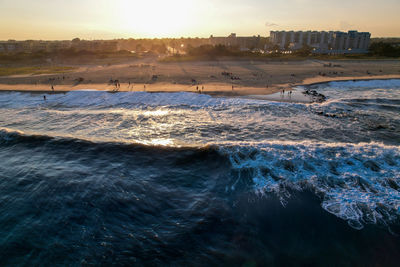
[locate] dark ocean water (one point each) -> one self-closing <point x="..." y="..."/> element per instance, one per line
<point x="94" y="178"/>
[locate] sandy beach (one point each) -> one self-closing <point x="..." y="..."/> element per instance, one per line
<point x="227" y="77"/>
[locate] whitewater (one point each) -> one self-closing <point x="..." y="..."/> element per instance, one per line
<point x="184" y="178"/>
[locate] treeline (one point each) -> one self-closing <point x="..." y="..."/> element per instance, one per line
<point x="40" y="57"/>
<point x="213" y="51"/>
<point x="159" y="46"/>
<point x="222" y="50"/>
<point x="380" y="49"/>
<point x="384" y="49"/>
<point x="66" y="52"/>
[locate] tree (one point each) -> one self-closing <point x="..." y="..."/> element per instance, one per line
<point x="139" y="48"/>
<point x="159" y="48"/>
<point x="384" y="49"/>
<point x="188" y="48"/>
<point x="276" y="48"/>
<point x="304" y="51"/>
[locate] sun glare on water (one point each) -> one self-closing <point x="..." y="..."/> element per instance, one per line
<point x="156" y="18"/>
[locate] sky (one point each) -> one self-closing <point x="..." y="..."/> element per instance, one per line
<point x="106" y="19"/>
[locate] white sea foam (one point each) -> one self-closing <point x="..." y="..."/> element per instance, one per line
<point x="358" y="182"/>
<point x="337" y="148"/>
<point x="100" y="98"/>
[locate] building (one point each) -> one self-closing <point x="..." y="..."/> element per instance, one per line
<point x="58" y="45"/>
<point x="11" y="46"/>
<point x="232" y="40"/>
<point x="31" y="46"/>
<point x="95" y="46"/>
<point x="322" y="42"/>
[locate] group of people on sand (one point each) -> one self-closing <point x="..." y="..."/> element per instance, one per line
<point x="200" y="90"/>
<point x="283" y="92"/>
<point x="230" y="75"/>
<point x="130" y="85"/>
<point x="115" y="83"/>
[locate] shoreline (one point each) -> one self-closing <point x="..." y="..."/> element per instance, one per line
<point x="217" y="77"/>
<point x="210" y="89"/>
<point x="323" y="80"/>
<point x="213" y="89"/>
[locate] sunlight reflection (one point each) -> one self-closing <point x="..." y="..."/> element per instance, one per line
<point x="155" y="113"/>
<point x="159" y="142"/>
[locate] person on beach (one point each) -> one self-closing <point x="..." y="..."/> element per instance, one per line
<point x="52" y="88"/>
<point x="44" y="98"/>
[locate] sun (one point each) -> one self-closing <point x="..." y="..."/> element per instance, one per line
<point x="156" y="18"/>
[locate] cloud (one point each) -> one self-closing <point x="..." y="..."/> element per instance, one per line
<point x="271" y="24"/>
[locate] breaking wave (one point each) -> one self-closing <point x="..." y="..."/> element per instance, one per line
<point x="359" y="183"/>
<point x="181" y="179"/>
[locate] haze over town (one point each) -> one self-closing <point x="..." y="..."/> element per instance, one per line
<point x="101" y="19"/>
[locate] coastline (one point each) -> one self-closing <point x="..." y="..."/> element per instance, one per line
<point x="322" y="80"/>
<point x="214" y="89"/>
<point x="247" y="78"/>
<point x="210" y="89"/>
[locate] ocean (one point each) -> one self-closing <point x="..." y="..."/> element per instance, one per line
<point x="185" y="179"/>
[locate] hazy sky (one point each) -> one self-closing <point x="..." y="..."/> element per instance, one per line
<point x="102" y="19"/>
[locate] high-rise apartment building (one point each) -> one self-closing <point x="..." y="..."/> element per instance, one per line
<point x="322" y="41"/>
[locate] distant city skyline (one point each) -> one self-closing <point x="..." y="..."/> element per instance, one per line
<point x="101" y="19"/>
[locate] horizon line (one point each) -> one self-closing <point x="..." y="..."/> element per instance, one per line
<point x="153" y="38"/>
